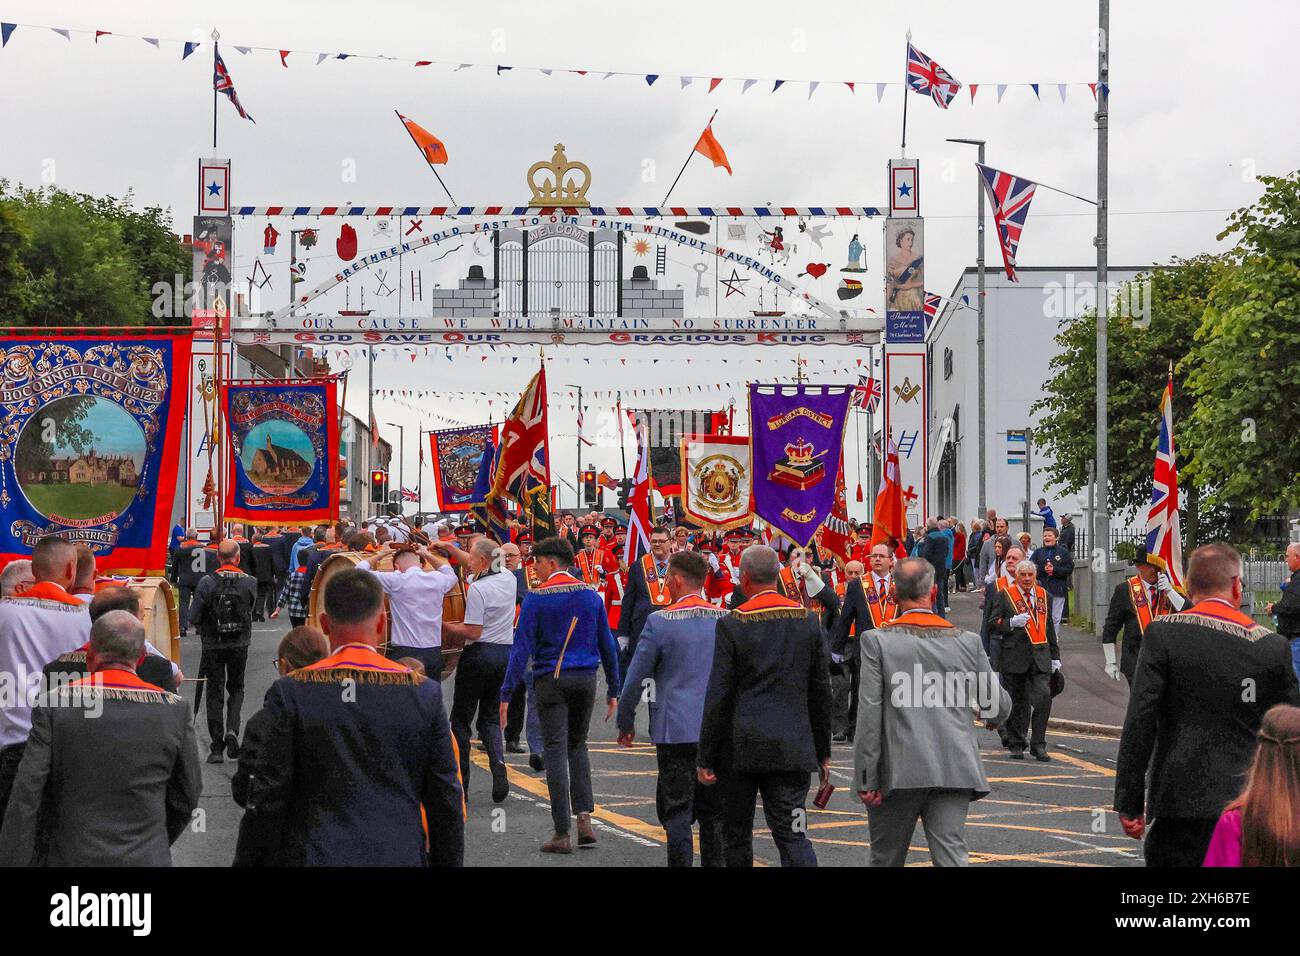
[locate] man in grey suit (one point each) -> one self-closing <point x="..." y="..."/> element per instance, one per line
<point x="670" y="669"/>
<point x="111" y="766"/>
<point x="922" y="761"/>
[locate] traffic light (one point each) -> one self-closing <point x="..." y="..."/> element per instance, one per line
<point x="624" y="492"/>
<point x="589" y="497"/>
<point x="378" y="486"/>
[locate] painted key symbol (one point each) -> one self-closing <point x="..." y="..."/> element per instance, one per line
<point x="701" y="290"/>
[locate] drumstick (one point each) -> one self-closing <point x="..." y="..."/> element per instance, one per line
<point x="572" y="625"/>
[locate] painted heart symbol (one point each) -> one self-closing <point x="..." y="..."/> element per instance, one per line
<point x="816" y="269"/>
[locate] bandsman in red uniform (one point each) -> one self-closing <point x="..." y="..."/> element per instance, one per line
<point x="725" y="576"/>
<point x="615" y="587"/>
<point x="590" y="561"/>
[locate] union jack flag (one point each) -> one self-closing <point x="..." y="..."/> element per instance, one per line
<point x="1164" y="530"/>
<point x="928" y="77"/>
<point x="868" y="394"/>
<point x="1009" y="196"/>
<point x="932" y="304"/>
<point x="524" y="470"/>
<point x="222" y="83"/>
<point x="638" y="524"/>
<point x="409" y="495"/>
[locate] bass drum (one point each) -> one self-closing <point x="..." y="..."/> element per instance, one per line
<point x="453" y="603"/>
<point x="158" y="611"/>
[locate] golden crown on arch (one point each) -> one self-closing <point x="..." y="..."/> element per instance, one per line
<point x="553" y="183"/>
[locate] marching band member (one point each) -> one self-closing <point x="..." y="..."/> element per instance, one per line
<point x="590" y="561"/>
<point x="1134" y="604"/>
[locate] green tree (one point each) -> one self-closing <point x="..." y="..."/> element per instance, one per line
<point x="1247" y="378"/>
<point x="75" y="259"/>
<point x="1142" y="346"/>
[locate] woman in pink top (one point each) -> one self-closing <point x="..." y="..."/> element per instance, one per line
<point x="1262" y="826"/>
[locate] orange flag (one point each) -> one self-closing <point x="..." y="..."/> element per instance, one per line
<point x="709" y="147"/>
<point x="430" y="146"/>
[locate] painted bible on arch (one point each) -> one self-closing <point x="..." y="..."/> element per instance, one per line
<point x="90" y="433"/>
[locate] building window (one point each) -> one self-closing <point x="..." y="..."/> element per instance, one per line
<point x="947" y="364"/>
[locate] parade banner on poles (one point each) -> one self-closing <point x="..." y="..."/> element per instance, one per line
<point x="716" y="483"/>
<point x="284" y="439"/>
<point x="90" y="439"/>
<point x="796" y="442"/>
<point x="456" y="454"/>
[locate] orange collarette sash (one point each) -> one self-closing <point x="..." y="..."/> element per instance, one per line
<point x="789" y="587"/>
<point x="49" y="591"/>
<point x="360" y="661"/>
<point x="588" y="566"/>
<point x="882" y="611"/>
<point x="1137" y="591"/>
<point x="659" y="595"/>
<point x="917" y="619"/>
<point x="1036" y="626"/>
<point x="689" y="601"/>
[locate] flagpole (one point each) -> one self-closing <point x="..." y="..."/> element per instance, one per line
<point x="688" y="161"/>
<point x="426" y="158"/>
<point x="215" y="36"/>
<point x="906" y="64"/>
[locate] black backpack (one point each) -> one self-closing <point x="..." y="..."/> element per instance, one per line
<point x="230" y="615"/>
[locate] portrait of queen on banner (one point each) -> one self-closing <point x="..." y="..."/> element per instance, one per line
<point x="285" y="441"/>
<point x="90" y="428"/>
<point x="796" y="442"/>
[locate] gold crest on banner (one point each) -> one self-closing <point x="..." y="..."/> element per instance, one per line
<point x="716" y="480"/>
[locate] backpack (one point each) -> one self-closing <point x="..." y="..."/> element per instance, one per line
<point x="230" y="615"/>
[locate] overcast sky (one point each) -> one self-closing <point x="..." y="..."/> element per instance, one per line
<point x="1190" y="125"/>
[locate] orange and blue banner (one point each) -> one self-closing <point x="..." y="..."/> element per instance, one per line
<point x="284" y="441"/>
<point x="90" y="442"/>
<point x="456" y="454"/>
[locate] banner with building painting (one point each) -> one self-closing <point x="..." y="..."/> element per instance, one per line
<point x="284" y="450"/>
<point x="90" y="437"/>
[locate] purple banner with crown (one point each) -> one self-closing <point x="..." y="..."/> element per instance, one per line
<point x="796" y="442"/>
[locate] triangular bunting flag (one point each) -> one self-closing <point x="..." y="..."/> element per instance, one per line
<point x="713" y="83"/>
<point x="244" y="50"/>
<point x="6" y="31"/>
<point x="463" y="66"/>
<point x="850" y="86"/>
<point x="686" y="81"/>
<point x="812" y="88"/>
<point x="67" y="34"/>
<point x="880" y="91"/>
<point x="1002" y="88"/>
<point x="973" y="88"/>
<point x="1060" y="88"/>
<point x="745" y="88"/>
<point x="423" y="62"/>
<point x="650" y="79"/>
<point x="321" y="58"/>
<point x="777" y="85"/>
<point x="501" y="69"/>
<point x="1034" y="87"/>
<point x="190" y="48"/>
<point x="1105" y="89"/>
<point x="284" y="56"/>
<point x="546" y="72"/>
<point x="342" y="56"/>
<point x="1093" y="87"/>
<point x="101" y="33"/>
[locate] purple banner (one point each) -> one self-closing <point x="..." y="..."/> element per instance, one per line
<point x="796" y="442"/>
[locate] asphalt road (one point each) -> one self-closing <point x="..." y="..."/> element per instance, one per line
<point x="1052" y="814"/>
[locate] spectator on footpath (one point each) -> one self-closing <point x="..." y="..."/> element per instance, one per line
<point x="1287" y="609"/>
<point x="1191" y="725"/>
<point x="1045" y="512"/>
<point x="1055" y="567"/>
<point x="914" y="760"/>
<point x="1261" y="827"/>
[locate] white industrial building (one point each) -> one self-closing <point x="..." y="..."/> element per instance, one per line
<point x="1021" y="322"/>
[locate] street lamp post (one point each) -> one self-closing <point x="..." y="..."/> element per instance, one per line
<point x="979" y="335"/>
<point x="401" y="465"/>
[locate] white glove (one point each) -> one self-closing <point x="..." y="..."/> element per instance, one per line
<point x="622" y="643"/>
<point x="813" y="582"/>
<point x="1112" y="669"/>
<point x="837" y="658"/>
<point x="713" y="563"/>
<point x="1056" y="666"/>
<point x="1020" y="620"/>
<point x="1164" y="585"/>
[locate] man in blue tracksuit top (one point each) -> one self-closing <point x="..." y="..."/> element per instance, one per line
<point x="564" y="629"/>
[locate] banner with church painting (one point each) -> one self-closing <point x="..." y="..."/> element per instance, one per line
<point x="796" y="441"/>
<point x="456" y="454"/>
<point x="90" y="442"/>
<point x="284" y="438"/>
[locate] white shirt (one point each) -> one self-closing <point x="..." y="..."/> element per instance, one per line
<point x="32" y="633"/>
<point x="415" y="600"/>
<point x="490" y="602"/>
